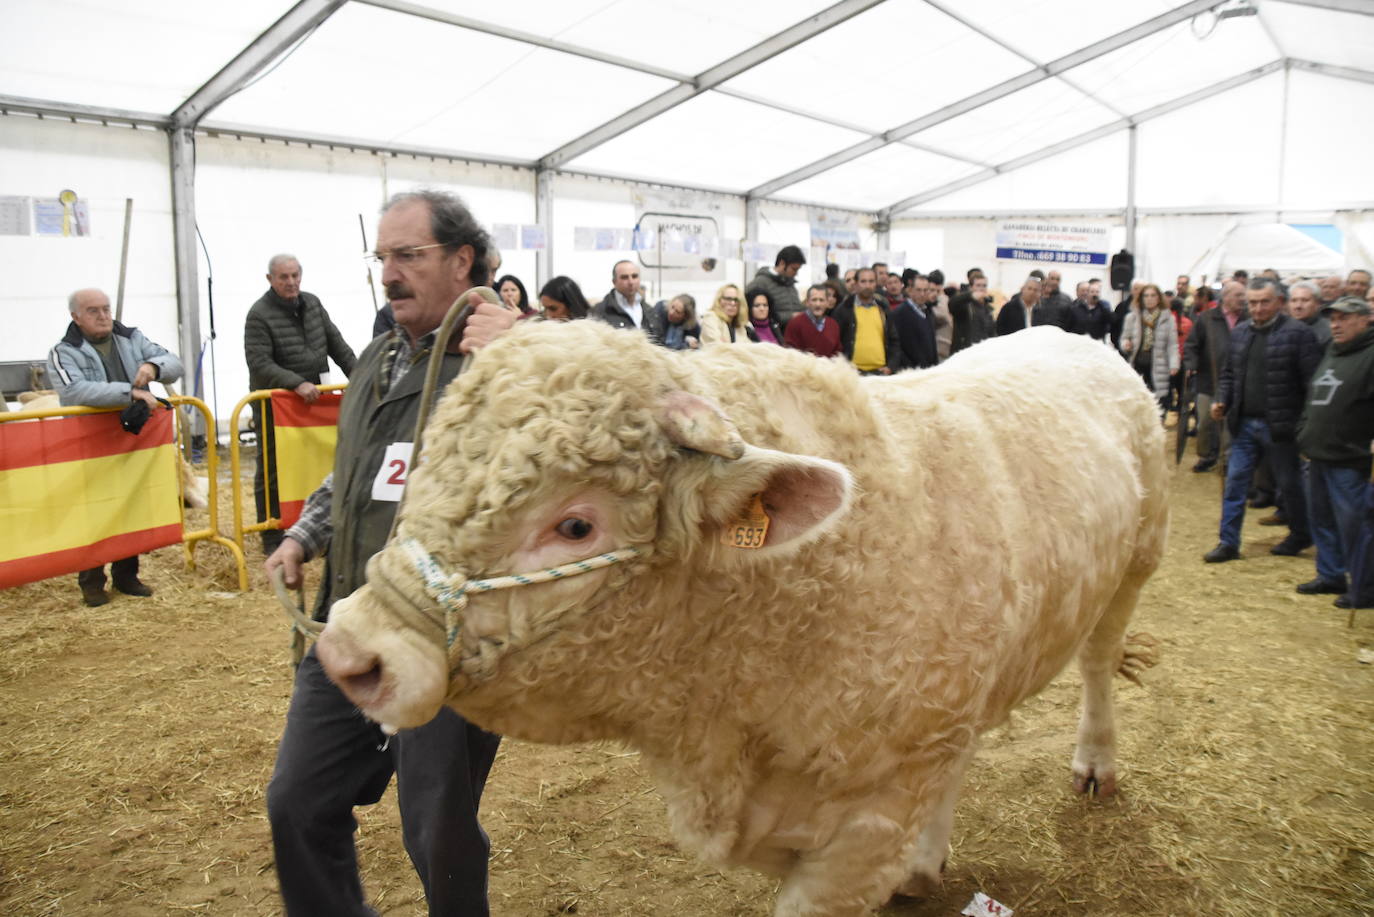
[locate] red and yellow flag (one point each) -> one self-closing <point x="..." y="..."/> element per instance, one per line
<point x="78" y="491"/>
<point x="305" y="436"/>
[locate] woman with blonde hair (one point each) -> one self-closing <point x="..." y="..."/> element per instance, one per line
<point x="725" y="322"/>
<point x="1149" y="339"/>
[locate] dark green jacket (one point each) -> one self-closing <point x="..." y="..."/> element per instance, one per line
<point x="1337" y="422"/>
<point x="286" y="345"/>
<point x="367" y="426"/>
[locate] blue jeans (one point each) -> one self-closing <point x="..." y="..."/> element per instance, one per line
<point x="1335" y="500"/>
<point x="1251" y="443"/>
<point x="1360" y="560"/>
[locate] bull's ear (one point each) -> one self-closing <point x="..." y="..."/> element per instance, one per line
<point x="802" y="497"/>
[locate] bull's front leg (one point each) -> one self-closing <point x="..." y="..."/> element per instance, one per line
<point x="1094" y="760"/>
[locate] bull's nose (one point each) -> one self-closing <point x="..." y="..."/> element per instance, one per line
<point x="358" y="673"/>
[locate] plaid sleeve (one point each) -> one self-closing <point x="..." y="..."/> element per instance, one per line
<point x="314" y="528"/>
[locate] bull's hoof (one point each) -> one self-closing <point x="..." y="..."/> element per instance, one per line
<point x="922" y="884"/>
<point x="1091" y="784"/>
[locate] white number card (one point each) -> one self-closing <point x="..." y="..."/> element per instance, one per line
<point x="390" y="482"/>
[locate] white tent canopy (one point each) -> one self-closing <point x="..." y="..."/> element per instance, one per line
<point x="271" y="126"/>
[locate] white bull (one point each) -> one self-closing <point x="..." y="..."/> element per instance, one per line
<point x="939" y="545"/>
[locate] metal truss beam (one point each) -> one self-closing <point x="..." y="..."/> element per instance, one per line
<point x="1098" y="133"/>
<point x="95" y="113"/>
<point x="1363" y="7"/>
<point x="709" y="79"/>
<point x="991" y="94"/>
<point x="286" y="31"/>
<point x="1344" y="73"/>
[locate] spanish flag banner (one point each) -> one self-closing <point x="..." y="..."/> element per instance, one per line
<point x="77" y="492"/>
<point x="305" y="437"/>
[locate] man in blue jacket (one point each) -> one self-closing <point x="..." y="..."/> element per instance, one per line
<point x="101" y="363"/>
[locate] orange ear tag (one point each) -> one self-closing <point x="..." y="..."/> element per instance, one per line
<point x="750" y="530"/>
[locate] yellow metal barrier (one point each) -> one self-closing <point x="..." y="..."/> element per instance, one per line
<point x="189" y="540"/>
<point x="235" y="463"/>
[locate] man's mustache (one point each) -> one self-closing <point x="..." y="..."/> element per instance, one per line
<point x="397" y="290"/>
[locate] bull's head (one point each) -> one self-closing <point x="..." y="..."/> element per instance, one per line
<point x="565" y="442"/>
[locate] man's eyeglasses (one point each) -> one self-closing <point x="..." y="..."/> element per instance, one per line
<point x="402" y="256"/>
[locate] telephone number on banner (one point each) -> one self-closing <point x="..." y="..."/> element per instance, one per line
<point x="1053" y="257"/>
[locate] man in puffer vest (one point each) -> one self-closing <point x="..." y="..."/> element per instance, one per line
<point x="288" y="340"/>
<point x="1262" y="390"/>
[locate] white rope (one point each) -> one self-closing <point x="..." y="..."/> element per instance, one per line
<point x="450" y="590"/>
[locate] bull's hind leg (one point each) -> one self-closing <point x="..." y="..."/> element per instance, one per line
<point x="1094" y="761"/>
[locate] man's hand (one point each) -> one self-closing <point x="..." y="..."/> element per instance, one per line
<point x="1218" y="410"/>
<point x="885" y="371"/>
<point x="486" y="322"/>
<point x="147" y="372"/>
<point x="290" y="557"/>
<point x="147" y="397"/>
<point x="308" y="392"/>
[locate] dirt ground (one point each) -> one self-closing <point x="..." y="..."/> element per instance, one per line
<point x="136" y="742"/>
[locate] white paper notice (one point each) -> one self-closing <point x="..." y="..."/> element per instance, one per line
<point x="983" y="906"/>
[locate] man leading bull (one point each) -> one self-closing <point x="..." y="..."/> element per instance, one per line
<point x="331" y="759"/>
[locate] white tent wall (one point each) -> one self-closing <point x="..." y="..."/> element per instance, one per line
<point x="580" y="201"/>
<point x="103" y="165"/>
<point x="256" y="199"/>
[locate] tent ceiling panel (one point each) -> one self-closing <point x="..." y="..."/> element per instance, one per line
<point x="1175" y="171"/>
<point x="1325" y="36"/>
<point x="1049" y="29"/>
<point x="688" y="37"/>
<point x="872" y="181"/>
<point x="1327" y="156"/>
<point x="1031" y="119"/>
<point x="843" y="76"/>
<point x="143" y="55"/>
<point x="1173" y="63"/>
<point x="1090" y="177"/>
<point x="715" y="141"/>
<point x="448" y="89"/>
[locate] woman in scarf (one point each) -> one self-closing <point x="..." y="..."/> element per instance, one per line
<point x="1149" y="339"/>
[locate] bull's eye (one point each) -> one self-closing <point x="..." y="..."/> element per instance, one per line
<point x="574" y="528"/>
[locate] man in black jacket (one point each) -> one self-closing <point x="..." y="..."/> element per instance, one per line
<point x="624" y="306"/>
<point x="868" y="336"/>
<point x="288" y="341"/>
<point x="915" y="328"/>
<point x="971" y="313"/>
<point x="1204" y="356"/>
<point x="1088" y="315"/>
<point x="1335" y="433"/>
<point x="1262" y="390"/>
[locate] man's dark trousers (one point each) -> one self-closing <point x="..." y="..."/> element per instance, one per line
<point x="267" y="455"/>
<point x="352" y="764"/>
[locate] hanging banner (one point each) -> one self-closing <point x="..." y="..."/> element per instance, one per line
<point x="833" y="229"/>
<point x="306" y="435"/>
<point x="678" y="236"/>
<point x="77" y="492"/>
<point x="1052" y="243"/>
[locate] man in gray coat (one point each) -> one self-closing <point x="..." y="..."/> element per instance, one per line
<point x="101" y="363"/>
<point x="288" y="340"/>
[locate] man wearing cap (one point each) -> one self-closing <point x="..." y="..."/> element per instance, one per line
<point x="1334" y="433"/>
<point x="101" y="363"/>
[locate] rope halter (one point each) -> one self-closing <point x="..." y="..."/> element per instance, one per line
<point x="450" y="590"/>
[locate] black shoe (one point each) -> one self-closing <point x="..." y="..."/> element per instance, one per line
<point x="1291" y="546"/>
<point x="1263" y="501"/>
<point x="1205" y="465"/>
<point x="1343" y="601"/>
<point x="1321" y="586"/>
<point x="133" y="587"/>
<point x="94" y="596"/>
<point x="1222" y="553"/>
<point x="1274" y="518"/>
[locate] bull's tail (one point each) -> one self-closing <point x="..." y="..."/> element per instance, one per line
<point x="1138" y="653"/>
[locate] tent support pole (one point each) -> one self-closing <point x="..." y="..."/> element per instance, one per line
<point x="751" y="233"/>
<point x="1283" y="137"/>
<point x="1130" y="187"/>
<point x="543" y="215"/>
<point x="183" y="160"/>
